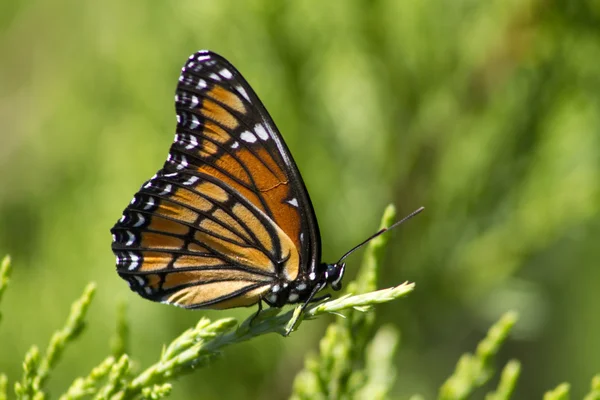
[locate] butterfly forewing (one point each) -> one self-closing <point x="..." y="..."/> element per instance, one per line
<point x="228" y="214"/>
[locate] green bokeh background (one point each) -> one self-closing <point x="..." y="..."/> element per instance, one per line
<point x="485" y="112"/>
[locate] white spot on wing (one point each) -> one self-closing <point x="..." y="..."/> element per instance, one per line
<point x="261" y="132"/>
<point x="140" y="221"/>
<point x="293" y="202"/>
<point x="191" y="180"/>
<point x="135" y="260"/>
<point x="131" y="239"/>
<point x="235" y="145"/>
<point x="195" y="102"/>
<point x="243" y="92"/>
<point x="195" y="123"/>
<point x="184" y="162"/>
<point x="193" y="143"/>
<point x="201" y="84"/>
<point x="301" y="287"/>
<point x="225" y="73"/>
<point x="149" y="204"/>
<point x="312" y="276"/>
<point x="167" y="189"/>
<point x="179" y="164"/>
<point x="293" y="297"/>
<point x="215" y="77"/>
<point x="248" y="137"/>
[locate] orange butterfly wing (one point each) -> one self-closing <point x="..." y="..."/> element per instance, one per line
<point x="228" y="215"/>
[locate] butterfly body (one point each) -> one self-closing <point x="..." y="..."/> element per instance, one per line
<point x="303" y="288"/>
<point x="227" y="222"/>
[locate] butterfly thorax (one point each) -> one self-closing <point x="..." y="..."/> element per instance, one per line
<point x="305" y="286"/>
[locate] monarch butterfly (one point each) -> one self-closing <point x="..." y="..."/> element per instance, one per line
<point x="227" y="222"/>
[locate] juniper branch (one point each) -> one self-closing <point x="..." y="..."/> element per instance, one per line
<point x="72" y="329"/>
<point x="472" y="371"/>
<point x="561" y="392"/>
<point x="5" y="271"/>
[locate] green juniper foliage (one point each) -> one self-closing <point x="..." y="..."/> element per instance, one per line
<point x="508" y="380"/>
<point x="594" y="393"/>
<point x="36" y="368"/>
<point x="4" y="277"/>
<point x="561" y="392"/>
<point x="355" y="361"/>
<point x="474" y="370"/>
<point x="3" y="384"/>
<point x="120" y="341"/>
<point x="486" y="112"/>
<point x="333" y="374"/>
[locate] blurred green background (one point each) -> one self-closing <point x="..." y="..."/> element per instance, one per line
<point x="485" y="112"/>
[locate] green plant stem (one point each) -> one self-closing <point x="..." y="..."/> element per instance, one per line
<point x="561" y="392"/>
<point x="379" y="369"/>
<point x="87" y="386"/>
<point x="336" y="373"/>
<point x="472" y="371"/>
<point x="26" y="389"/>
<point x="116" y="379"/>
<point x="5" y="271"/>
<point x="72" y="329"/>
<point x="199" y="345"/>
<point x="3" y="386"/>
<point x="594" y="393"/>
<point x="508" y="381"/>
<point x="120" y="341"/>
<point x="157" y="391"/>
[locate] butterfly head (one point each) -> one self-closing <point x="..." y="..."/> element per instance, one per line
<point x="334" y="273"/>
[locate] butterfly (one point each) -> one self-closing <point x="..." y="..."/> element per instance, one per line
<point x="227" y="222"/>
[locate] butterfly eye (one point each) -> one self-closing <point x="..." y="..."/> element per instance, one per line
<point x="334" y="275"/>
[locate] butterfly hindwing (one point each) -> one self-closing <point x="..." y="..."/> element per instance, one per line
<point x="228" y="214"/>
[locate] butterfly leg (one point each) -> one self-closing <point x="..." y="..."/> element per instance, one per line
<point x="310" y="299"/>
<point x="320" y="298"/>
<point x="257" y="312"/>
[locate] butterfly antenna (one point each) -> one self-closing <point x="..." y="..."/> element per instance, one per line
<point x="382" y="231"/>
